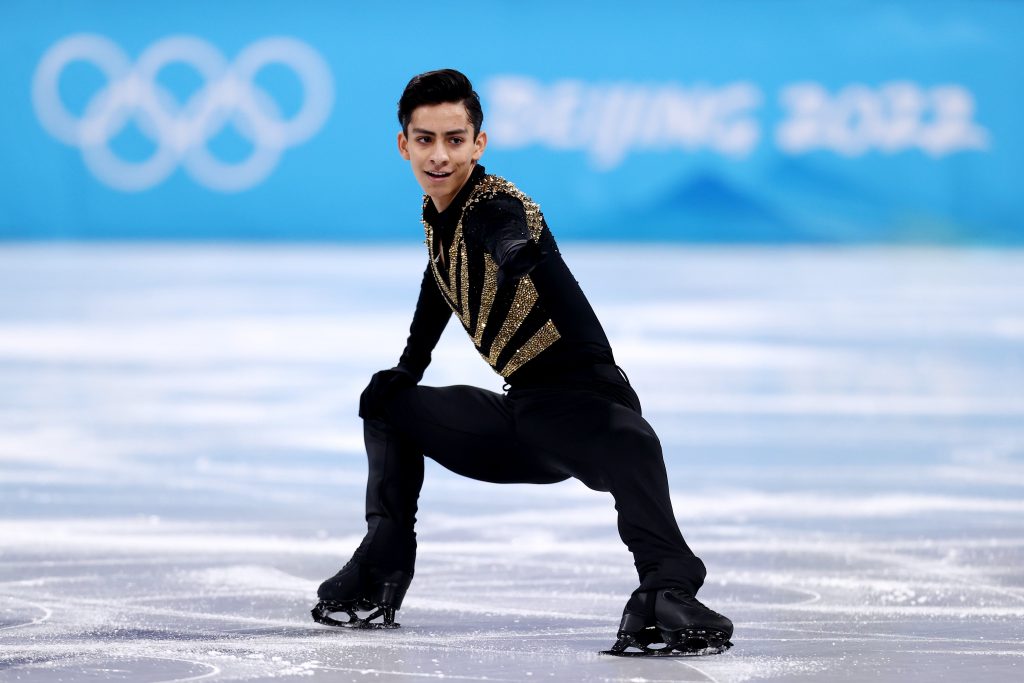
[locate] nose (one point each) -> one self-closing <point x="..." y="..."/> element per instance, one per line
<point x="439" y="153"/>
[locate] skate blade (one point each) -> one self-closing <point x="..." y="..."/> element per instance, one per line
<point x="322" y="615"/>
<point x="666" y="652"/>
<point x="688" y="643"/>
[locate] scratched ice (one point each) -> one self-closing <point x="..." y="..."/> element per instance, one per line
<point x="180" y="465"/>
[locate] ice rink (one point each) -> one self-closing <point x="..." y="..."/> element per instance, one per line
<point x="181" y="464"/>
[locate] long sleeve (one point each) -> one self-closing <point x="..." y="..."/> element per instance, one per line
<point x="502" y="222"/>
<point x="428" y="322"/>
<point x="502" y="225"/>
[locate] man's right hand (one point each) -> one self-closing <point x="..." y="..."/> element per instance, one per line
<point x="382" y="386"/>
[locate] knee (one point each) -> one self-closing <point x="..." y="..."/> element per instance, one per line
<point x="399" y="404"/>
<point x="638" y="438"/>
<point x="627" y="454"/>
<point x="634" y="445"/>
<point x="389" y="409"/>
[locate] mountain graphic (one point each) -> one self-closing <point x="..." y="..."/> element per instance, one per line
<point x="830" y="203"/>
<point x="805" y="201"/>
<point x="705" y="208"/>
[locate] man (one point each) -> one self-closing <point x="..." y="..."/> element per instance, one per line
<point x="569" y="411"/>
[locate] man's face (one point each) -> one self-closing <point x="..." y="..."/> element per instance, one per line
<point x="442" y="150"/>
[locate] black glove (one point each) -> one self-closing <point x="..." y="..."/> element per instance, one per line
<point x="518" y="259"/>
<point x="382" y="386"/>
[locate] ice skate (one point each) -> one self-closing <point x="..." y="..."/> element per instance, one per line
<point x="670" y="622"/>
<point x="358" y="587"/>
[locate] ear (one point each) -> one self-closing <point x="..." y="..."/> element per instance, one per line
<point x="481" y="144"/>
<point x="403" y="146"/>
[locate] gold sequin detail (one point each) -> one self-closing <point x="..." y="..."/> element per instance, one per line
<point x="542" y="339"/>
<point x="522" y="304"/>
<point x="492" y="185"/>
<point x="449" y="292"/>
<point x="486" y="298"/>
<point x="464" y="288"/>
<point x="456" y="291"/>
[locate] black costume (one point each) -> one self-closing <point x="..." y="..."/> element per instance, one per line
<point x="569" y="411"/>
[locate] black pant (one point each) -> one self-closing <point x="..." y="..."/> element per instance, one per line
<point x="586" y="425"/>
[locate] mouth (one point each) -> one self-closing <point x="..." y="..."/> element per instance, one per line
<point x="438" y="175"/>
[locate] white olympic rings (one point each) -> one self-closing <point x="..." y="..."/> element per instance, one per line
<point x="229" y="95"/>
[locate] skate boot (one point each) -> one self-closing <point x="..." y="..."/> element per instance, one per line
<point x="670" y="622"/>
<point x="374" y="581"/>
<point x="360" y="587"/>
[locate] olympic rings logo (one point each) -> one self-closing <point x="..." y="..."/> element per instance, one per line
<point x="180" y="132"/>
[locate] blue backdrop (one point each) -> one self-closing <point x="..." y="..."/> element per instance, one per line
<point x="726" y="122"/>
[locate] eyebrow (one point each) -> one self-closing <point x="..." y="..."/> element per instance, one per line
<point x="424" y="131"/>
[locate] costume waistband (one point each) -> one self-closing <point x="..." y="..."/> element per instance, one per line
<point x="608" y="372"/>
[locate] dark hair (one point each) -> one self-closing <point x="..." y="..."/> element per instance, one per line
<point x="440" y="87"/>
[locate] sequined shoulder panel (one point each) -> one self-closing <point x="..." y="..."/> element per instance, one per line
<point x="491" y="186"/>
<point x="509" y="328"/>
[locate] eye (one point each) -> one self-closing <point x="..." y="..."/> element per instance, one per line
<point x="457" y="141"/>
<point x="423" y="139"/>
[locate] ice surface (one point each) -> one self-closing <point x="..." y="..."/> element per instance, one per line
<point x="181" y="464"/>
